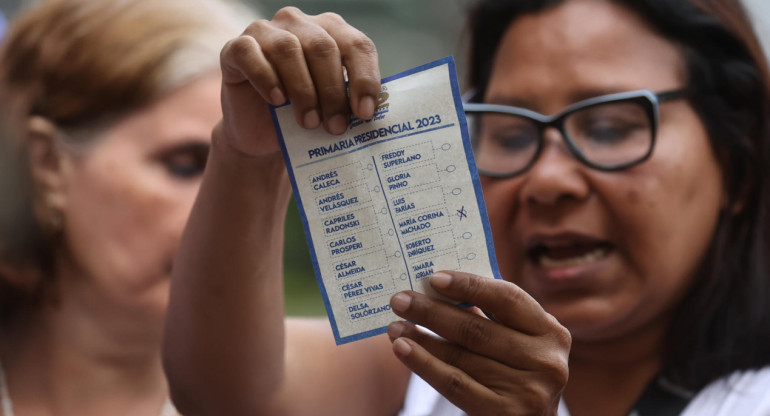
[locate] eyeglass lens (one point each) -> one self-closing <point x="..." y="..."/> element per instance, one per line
<point x="606" y="135"/>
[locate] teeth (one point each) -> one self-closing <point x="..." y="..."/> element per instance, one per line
<point x="589" y="257"/>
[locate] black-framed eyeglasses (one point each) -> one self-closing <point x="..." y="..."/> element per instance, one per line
<point x="609" y="132"/>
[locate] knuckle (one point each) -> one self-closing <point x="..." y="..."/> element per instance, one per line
<point x="425" y="311"/>
<point x="563" y="336"/>
<point x="226" y="51"/>
<point x="534" y="400"/>
<point x="454" y="357"/>
<point x="288" y="13"/>
<point x="238" y="53"/>
<point x="454" y="384"/>
<point x="561" y="374"/>
<point x="560" y="335"/>
<point x="283" y="44"/>
<point x="474" y="286"/>
<point x="475" y="331"/>
<point x="513" y="299"/>
<point x="560" y="370"/>
<point x="332" y="95"/>
<point x="259" y="26"/>
<point x="361" y="44"/>
<point x="321" y="46"/>
<point x="419" y="362"/>
<point x="304" y="96"/>
<point x="511" y="349"/>
<point x="554" y="369"/>
<point x="332" y="17"/>
<point x="240" y="46"/>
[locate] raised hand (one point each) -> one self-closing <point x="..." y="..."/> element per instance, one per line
<point x="301" y="58"/>
<point x="228" y="278"/>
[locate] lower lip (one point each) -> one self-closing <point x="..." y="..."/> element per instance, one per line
<point x="570" y="276"/>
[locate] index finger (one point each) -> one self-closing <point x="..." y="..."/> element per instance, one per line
<point x="506" y="302"/>
<point x="359" y="57"/>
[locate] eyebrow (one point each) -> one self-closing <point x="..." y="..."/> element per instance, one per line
<point x="574" y="97"/>
<point x="184" y="145"/>
<point x="192" y="144"/>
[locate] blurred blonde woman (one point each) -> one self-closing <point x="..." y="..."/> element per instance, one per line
<point x="110" y="106"/>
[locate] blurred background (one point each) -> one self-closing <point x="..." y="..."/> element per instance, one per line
<point x="407" y="33"/>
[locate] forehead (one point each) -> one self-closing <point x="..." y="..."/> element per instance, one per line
<point x="190" y="109"/>
<point x="188" y="113"/>
<point x="578" y="49"/>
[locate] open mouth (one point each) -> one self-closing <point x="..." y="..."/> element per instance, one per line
<point x="568" y="254"/>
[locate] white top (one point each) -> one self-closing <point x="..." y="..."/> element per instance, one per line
<point x="745" y="393"/>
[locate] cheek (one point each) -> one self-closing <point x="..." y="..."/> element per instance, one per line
<point x="123" y="224"/>
<point x="502" y="208"/>
<point x="671" y="211"/>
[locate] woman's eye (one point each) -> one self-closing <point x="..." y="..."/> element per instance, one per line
<point x="512" y="137"/>
<point x="611" y="132"/>
<point x="514" y="141"/>
<point x="186" y="162"/>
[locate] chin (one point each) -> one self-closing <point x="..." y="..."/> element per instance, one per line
<point x="158" y="301"/>
<point x="588" y="319"/>
<point x="149" y="302"/>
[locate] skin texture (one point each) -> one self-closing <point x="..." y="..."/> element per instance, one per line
<point x="124" y="201"/>
<point x="230" y="293"/>
<point x="658" y="216"/>
<point x="565" y="56"/>
<point x="128" y="198"/>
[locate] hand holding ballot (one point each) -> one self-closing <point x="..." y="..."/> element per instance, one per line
<point x="299" y="58"/>
<point x="512" y="366"/>
<point x="228" y="347"/>
<point x="391" y="201"/>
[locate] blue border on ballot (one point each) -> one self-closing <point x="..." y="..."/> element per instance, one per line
<point x="449" y="61"/>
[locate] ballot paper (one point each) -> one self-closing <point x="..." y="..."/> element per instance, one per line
<point x="391" y="201"/>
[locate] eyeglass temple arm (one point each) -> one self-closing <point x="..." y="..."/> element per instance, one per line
<point x="671" y="94"/>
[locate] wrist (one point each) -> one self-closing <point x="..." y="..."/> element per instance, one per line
<point x="264" y="175"/>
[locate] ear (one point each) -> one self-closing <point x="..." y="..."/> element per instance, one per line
<point x="49" y="165"/>
<point x="736" y="207"/>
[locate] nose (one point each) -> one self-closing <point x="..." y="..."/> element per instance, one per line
<point x="556" y="176"/>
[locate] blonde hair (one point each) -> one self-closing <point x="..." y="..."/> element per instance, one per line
<point x="83" y="64"/>
<point x="77" y="61"/>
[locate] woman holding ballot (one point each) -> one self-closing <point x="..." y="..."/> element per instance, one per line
<point x="630" y="228"/>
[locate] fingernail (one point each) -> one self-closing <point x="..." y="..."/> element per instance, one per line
<point x="277" y="97"/>
<point x="311" y="119"/>
<point x="395" y="329"/>
<point x="400" y="302"/>
<point x="338" y="124"/>
<point x="440" y="280"/>
<point x="401" y="347"/>
<point x="366" y="107"/>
